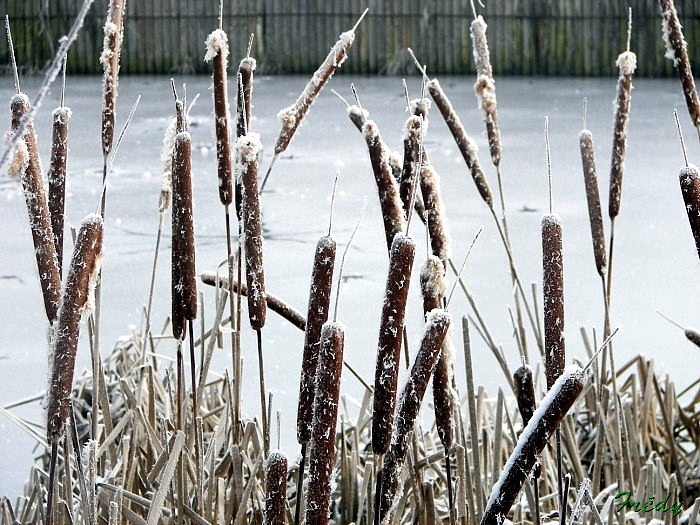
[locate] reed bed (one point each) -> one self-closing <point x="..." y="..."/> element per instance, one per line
<point x="129" y="442"/>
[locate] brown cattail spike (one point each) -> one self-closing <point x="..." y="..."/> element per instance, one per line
<point x="412" y="144"/>
<point x="677" y="50"/>
<point x="389" y="197"/>
<point x="390" y="338"/>
<point x="553" y="291"/>
<point x="409" y="405"/>
<point x="30" y="172"/>
<point x="247" y="149"/>
<point x="524" y="387"/>
<point x="57" y="177"/>
<point x="532" y="441"/>
<point x="114" y="32"/>
<point x="435" y="213"/>
<point x="245" y="95"/>
<point x="322" y="450"/>
<point x="595" y="214"/>
<point x="689" y="179"/>
<point x="466" y="145"/>
<point x="82" y="276"/>
<point x="627" y="63"/>
<point x="275" y="489"/>
<point x="217" y="52"/>
<point x="319" y="304"/>
<point x="184" y="288"/>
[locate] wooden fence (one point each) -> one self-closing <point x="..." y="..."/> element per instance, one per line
<point x="529" y="37"/>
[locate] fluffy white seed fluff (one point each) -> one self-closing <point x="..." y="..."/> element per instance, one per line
<point x="627" y="63"/>
<point x="216" y="43"/>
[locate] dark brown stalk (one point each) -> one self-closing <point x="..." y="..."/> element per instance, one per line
<point x="627" y="63"/>
<point x="184" y="288"/>
<point x="37" y="207"/>
<point x="275" y="304"/>
<point x="114" y="32"/>
<point x="412" y="143"/>
<point x="57" y="178"/>
<point x="595" y="214"/>
<point x="435" y="213"/>
<point x="317" y="315"/>
<point x="524" y="387"/>
<point x="80" y="284"/>
<point x="247" y="149"/>
<point x="275" y="489"/>
<point x="466" y="145"/>
<point x="409" y="405"/>
<point x="217" y="53"/>
<point x="553" y="292"/>
<point x="322" y="448"/>
<point x="690" y="188"/>
<point x="532" y="441"/>
<point x="390" y="338"/>
<point x="677" y="51"/>
<point x="389" y="197"/>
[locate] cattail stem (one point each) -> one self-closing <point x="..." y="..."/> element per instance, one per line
<point x="300" y="485"/>
<point x="263" y="404"/>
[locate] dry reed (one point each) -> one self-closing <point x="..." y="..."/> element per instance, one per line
<point x="391" y="327"/>
<point x="275" y="488"/>
<point x="37" y="207"/>
<point x="57" y="177"/>
<point x="689" y="179"/>
<point x="112" y="47"/>
<point x="595" y="215"/>
<point x="553" y="292"/>
<point x="322" y="449"/>
<point x="80" y="284"/>
<point x="217" y="53"/>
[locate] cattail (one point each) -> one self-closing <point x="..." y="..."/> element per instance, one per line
<point x="553" y="292"/>
<point x="524" y="388"/>
<point x="322" y="450"/>
<point x="390" y="338"/>
<point x="319" y="303"/>
<point x="77" y="296"/>
<point x="358" y="116"/>
<point x="37" y="207"/>
<point x="693" y="336"/>
<point x="435" y="213"/>
<point x="677" y="50"/>
<point x="466" y="145"/>
<point x="432" y="283"/>
<point x="485" y="87"/>
<point x="690" y="187"/>
<point x="409" y="405"/>
<point x="593" y="198"/>
<point x="274" y="303"/>
<point x="247" y="149"/>
<point x="57" y="177"/>
<point x="275" y="488"/>
<point x="389" y="197"/>
<point x="412" y="144"/>
<point x="246" y="68"/>
<point x="420" y="108"/>
<point x="184" y="288"/>
<point x="627" y="63"/>
<point x="217" y="53"/>
<point x="114" y="33"/>
<point x="532" y="441"/>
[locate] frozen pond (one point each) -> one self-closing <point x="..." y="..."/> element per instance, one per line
<point x="656" y="265"/>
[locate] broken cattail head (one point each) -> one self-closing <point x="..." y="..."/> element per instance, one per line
<point x="553" y="292"/>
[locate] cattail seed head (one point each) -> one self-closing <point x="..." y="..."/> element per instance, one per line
<point x="275" y="488"/>
<point x="217" y="53"/>
<point x="412" y="144"/>
<point x="358" y="116"/>
<point x="482" y="59"/>
<point x="319" y="303"/>
<point x="420" y="107"/>
<point x="444" y="395"/>
<point x="466" y="145"/>
<point x="184" y="288"/>
<point x="244" y="95"/>
<point x="595" y="214"/>
<point x="19" y="106"/>
<point x="553" y="292"/>
<point x="80" y="284"/>
<point x="432" y="283"/>
<point x="435" y="213"/>
<point x="693" y="336"/>
<point x="247" y="149"/>
<point x="690" y="188"/>
<point x="389" y="195"/>
<point x="114" y="33"/>
<point x="390" y="338"/>
<point x="409" y="404"/>
<point x="57" y="176"/>
<point x="524" y="388"/>
<point x="531" y="442"/>
<point x="677" y="51"/>
<point x="322" y="449"/>
<point x="626" y="62"/>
